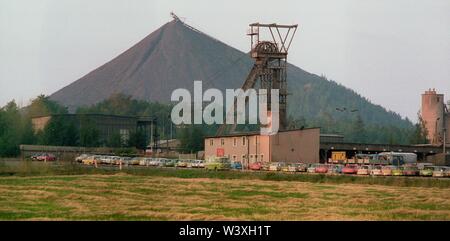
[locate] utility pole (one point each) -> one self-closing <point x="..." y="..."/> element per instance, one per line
<point x="171" y="126"/>
<point x="436" y="133"/>
<point x="443" y="144"/>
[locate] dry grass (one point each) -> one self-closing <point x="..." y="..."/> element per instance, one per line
<point x="130" y="197"/>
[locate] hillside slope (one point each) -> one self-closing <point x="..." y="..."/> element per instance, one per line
<point x="175" y="55"/>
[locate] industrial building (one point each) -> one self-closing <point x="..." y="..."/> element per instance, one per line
<point x="106" y="125"/>
<point x="300" y="145"/>
<point x="436" y="115"/>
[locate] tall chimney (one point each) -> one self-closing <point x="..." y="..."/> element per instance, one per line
<point x="433" y="115"/>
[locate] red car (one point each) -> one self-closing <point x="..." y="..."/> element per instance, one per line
<point x="255" y="166"/>
<point x="321" y="169"/>
<point x="46" y="157"/>
<point x="350" y="169"/>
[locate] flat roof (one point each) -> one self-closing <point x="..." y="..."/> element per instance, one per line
<point x="93" y="114"/>
<point x="254" y="133"/>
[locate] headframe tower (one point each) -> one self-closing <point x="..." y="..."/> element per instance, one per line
<point x="269" y="48"/>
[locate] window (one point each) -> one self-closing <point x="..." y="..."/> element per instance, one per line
<point x="211" y="142"/>
<point x="234" y="141"/>
<point x="243" y="158"/>
<point x="243" y="140"/>
<point x="124" y="135"/>
<point x="222" y="141"/>
<point x="234" y="158"/>
<point x="261" y="159"/>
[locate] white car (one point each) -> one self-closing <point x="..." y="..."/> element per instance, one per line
<point x="376" y="171"/>
<point x="81" y="157"/>
<point x="363" y="170"/>
<point x="106" y="160"/>
<point x="198" y="164"/>
<point x="440" y="171"/>
<point x="312" y="168"/>
<point x="154" y="162"/>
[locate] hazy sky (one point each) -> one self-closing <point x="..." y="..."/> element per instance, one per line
<point x="389" y="51"/>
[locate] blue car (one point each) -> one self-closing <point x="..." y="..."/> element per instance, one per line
<point x="236" y="165"/>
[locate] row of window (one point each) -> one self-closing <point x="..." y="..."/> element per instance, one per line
<point x="235" y="141"/>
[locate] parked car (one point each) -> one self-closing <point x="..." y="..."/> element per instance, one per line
<point x="322" y="168"/>
<point x="284" y="167"/>
<point x="410" y="171"/>
<point x="275" y="166"/>
<point x="386" y="170"/>
<point x="422" y="165"/>
<point x="90" y="160"/>
<point x="447" y="172"/>
<point x="255" y="166"/>
<point x="296" y="167"/>
<point x="135" y="161"/>
<point x="427" y="171"/>
<point x="189" y="163"/>
<point x="34" y="157"/>
<point x="312" y="168"/>
<point x="363" y="170"/>
<point x="78" y="158"/>
<point x="198" y="164"/>
<point x="218" y="163"/>
<point x="376" y="170"/>
<point x="396" y="171"/>
<point x="335" y="168"/>
<point x="265" y="166"/>
<point x="125" y="160"/>
<point x="236" y="165"/>
<point x="302" y="167"/>
<point x="292" y="167"/>
<point x="46" y="157"/>
<point x="168" y="162"/>
<point x="182" y="163"/>
<point x="104" y="160"/>
<point x="144" y="161"/>
<point x="439" y="171"/>
<point x="350" y="169"/>
<point x="154" y="162"/>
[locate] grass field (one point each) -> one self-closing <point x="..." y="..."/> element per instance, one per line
<point x="124" y="196"/>
<point x="64" y="191"/>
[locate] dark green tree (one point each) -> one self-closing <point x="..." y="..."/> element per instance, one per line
<point x="89" y="134"/>
<point x="10" y="129"/>
<point x="191" y="138"/>
<point x="138" y="140"/>
<point x="419" y="136"/>
<point x="115" y="140"/>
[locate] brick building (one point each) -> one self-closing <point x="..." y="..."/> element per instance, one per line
<point x="289" y="146"/>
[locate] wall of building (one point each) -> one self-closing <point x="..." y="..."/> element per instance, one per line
<point x="296" y="146"/>
<point x="287" y="146"/>
<point x="243" y="148"/>
<point x="107" y="125"/>
<point x="433" y="115"/>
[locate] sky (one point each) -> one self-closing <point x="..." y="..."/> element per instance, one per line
<point x="389" y="51"/>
